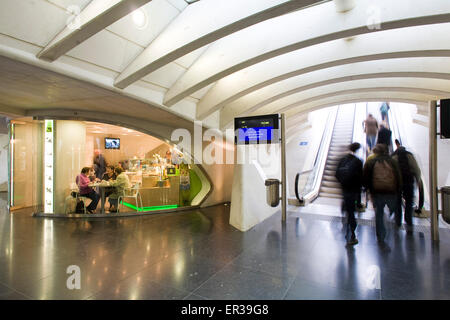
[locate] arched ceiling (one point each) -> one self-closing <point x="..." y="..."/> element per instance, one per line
<point x="214" y="60"/>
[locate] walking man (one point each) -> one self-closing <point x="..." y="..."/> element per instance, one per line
<point x="371" y="130"/>
<point x="349" y="175"/>
<point x="381" y="175"/>
<point x="410" y="171"/>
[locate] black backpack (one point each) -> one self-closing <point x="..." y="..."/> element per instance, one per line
<point x="79" y="207"/>
<point x="345" y="172"/>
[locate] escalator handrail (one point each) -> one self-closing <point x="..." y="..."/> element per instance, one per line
<point x="327" y="133"/>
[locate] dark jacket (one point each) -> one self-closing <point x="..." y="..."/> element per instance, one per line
<point x="410" y="170"/>
<point x="99" y="166"/>
<point x="368" y="172"/>
<point x="384" y="136"/>
<point x="107" y="178"/>
<point x="357" y="166"/>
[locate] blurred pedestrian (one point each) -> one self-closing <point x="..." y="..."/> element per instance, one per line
<point x="349" y="175"/>
<point x="99" y="164"/>
<point x="381" y="175"/>
<point x="410" y="173"/>
<point x="384" y="134"/>
<point x="371" y="130"/>
<point x="384" y="108"/>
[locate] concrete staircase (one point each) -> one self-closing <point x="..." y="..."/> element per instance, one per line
<point x="341" y="139"/>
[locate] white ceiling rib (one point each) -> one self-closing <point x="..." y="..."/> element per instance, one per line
<point x="98" y="15"/>
<point x="201" y="24"/>
<point x="295" y="31"/>
<point x="376" y="96"/>
<point x="415" y="42"/>
<point x="216" y="60"/>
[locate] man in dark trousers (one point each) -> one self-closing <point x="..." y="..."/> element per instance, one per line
<point x="381" y="175"/>
<point x="349" y="175"/>
<point x="410" y="171"/>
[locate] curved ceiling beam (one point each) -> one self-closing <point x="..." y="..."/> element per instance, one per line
<point x="361" y="98"/>
<point x="415" y="42"/>
<point x="435" y="68"/>
<point x="375" y="94"/>
<point x="299" y="115"/>
<point x="299" y="30"/>
<point x="98" y="15"/>
<point x="201" y="24"/>
<point x="228" y="116"/>
<point x="437" y="86"/>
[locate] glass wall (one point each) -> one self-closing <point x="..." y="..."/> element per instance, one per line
<point x="81" y="167"/>
<point x="26" y="183"/>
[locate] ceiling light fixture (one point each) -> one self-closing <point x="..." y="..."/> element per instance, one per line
<point x="140" y="18"/>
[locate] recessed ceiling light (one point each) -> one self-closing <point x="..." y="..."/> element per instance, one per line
<point x="140" y="18"/>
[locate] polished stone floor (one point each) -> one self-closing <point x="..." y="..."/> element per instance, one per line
<point x="198" y="255"/>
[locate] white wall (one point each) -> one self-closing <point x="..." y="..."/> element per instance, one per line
<point x="248" y="194"/>
<point x="4" y="144"/>
<point x="415" y="138"/>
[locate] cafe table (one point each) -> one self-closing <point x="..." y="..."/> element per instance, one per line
<point x="102" y="187"/>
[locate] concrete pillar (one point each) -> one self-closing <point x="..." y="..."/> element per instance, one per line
<point x="70" y="155"/>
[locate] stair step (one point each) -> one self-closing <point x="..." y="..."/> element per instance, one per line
<point x="331" y="190"/>
<point x="331" y="184"/>
<point x="335" y="157"/>
<point x="330" y="178"/>
<point x="330" y="195"/>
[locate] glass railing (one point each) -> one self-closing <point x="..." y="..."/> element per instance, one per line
<point x="307" y="183"/>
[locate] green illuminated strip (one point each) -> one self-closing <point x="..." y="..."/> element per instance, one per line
<point x="172" y="206"/>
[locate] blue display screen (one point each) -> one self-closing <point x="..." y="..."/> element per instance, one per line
<point x="257" y="129"/>
<point x="255" y="134"/>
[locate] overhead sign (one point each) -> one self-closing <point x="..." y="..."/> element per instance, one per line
<point x="263" y="129"/>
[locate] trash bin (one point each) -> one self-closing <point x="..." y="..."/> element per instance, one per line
<point x="273" y="192"/>
<point x="445" y="194"/>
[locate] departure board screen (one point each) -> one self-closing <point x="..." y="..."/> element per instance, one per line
<point x="257" y="130"/>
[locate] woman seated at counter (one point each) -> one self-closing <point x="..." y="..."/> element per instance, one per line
<point x="83" y="181"/>
<point x="120" y="184"/>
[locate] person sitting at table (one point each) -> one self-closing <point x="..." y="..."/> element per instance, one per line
<point x="91" y="175"/>
<point x="109" y="174"/>
<point x="83" y="181"/>
<point x="120" y="184"/>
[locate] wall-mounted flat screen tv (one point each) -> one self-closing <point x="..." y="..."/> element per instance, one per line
<point x="112" y="143"/>
<point x="262" y="129"/>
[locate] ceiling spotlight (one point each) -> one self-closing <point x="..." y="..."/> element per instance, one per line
<point x="140" y="18"/>
<point x="344" y="5"/>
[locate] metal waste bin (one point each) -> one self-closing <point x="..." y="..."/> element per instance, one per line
<point x="445" y="194"/>
<point x="273" y="192"/>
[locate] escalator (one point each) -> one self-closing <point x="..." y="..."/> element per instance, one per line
<point x="341" y="139"/>
<point x="343" y="127"/>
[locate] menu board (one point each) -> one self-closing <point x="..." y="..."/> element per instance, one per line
<point x="257" y="129"/>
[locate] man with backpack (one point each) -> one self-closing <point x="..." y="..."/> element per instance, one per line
<point x="381" y="175"/>
<point x="349" y="175"/>
<point x="410" y="171"/>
